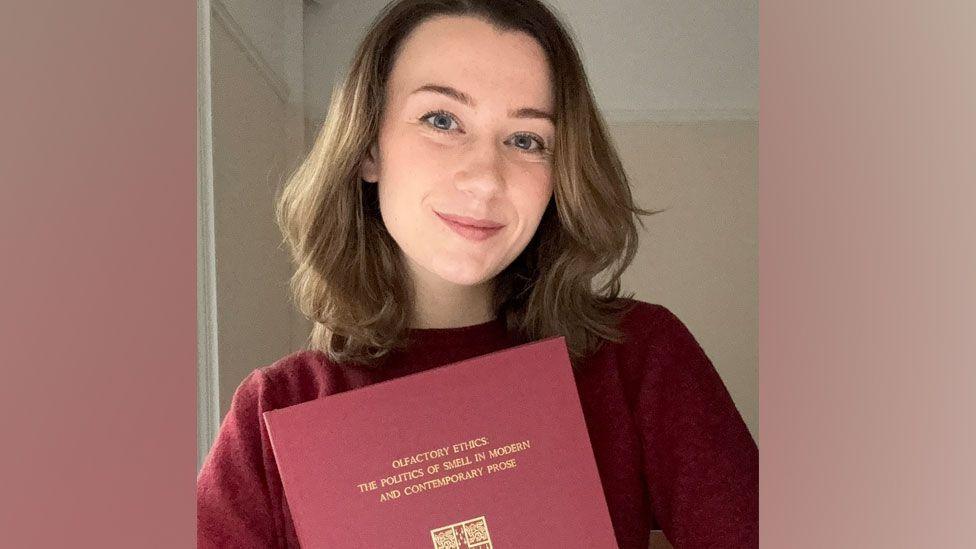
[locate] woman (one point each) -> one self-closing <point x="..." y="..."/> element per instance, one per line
<point x="460" y="199"/>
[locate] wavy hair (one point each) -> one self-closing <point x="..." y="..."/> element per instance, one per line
<point x="348" y="278"/>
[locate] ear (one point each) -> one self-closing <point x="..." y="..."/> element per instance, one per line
<point x="369" y="170"/>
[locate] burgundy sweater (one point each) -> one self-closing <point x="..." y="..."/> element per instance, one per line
<point x="671" y="448"/>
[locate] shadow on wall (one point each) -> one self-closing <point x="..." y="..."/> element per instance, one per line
<point x="658" y="541"/>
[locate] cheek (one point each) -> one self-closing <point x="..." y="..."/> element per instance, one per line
<point x="409" y="169"/>
<point x="534" y="190"/>
<point x="405" y="165"/>
<point x="413" y="159"/>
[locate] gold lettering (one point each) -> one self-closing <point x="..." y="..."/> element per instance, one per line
<point x="507" y="464"/>
<point x="469" y="445"/>
<point x="509" y="449"/>
<point x="367" y="486"/>
<point x="443" y="481"/>
<point x="400" y="477"/>
<point x="420" y="458"/>
<point x="455" y="463"/>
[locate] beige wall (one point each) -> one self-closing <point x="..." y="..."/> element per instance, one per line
<point x="258" y="133"/>
<point x="699" y="257"/>
<point x="640" y="55"/>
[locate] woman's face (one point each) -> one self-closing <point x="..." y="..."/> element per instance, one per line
<point x="466" y="133"/>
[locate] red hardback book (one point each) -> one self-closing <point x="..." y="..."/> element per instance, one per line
<point x="488" y="453"/>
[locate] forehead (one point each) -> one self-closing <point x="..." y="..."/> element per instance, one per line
<point x="472" y="55"/>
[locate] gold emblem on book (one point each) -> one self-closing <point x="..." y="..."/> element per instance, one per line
<point x="469" y="534"/>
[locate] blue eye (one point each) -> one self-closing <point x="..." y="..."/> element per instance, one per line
<point x="524" y="141"/>
<point x="444" y="121"/>
<point x="439" y="120"/>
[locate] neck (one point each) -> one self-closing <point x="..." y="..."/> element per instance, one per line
<point x="441" y="304"/>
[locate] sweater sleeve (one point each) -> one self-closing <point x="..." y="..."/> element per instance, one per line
<point x="701" y="464"/>
<point x="234" y="503"/>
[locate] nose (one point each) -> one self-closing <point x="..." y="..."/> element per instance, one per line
<point x="481" y="174"/>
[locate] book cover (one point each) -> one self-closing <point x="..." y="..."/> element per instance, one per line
<point x="489" y="453"/>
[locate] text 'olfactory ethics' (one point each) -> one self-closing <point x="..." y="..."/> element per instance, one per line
<point x="444" y="466"/>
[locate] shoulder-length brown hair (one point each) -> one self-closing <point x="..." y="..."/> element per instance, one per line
<point x="349" y="277"/>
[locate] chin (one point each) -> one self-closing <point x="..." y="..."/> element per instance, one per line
<point x="465" y="279"/>
<point x="462" y="275"/>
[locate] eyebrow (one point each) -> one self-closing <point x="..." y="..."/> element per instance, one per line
<point x="458" y="95"/>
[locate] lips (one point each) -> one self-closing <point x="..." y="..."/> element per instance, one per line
<point x="471" y="222"/>
<point x="470" y="228"/>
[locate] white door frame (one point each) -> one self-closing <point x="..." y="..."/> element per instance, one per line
<point x="208" y="402"/>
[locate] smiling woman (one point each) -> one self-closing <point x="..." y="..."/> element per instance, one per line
<point x="463" y="174"/>
<point x="470" y="168"/>
<point x="460" y="199"/>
